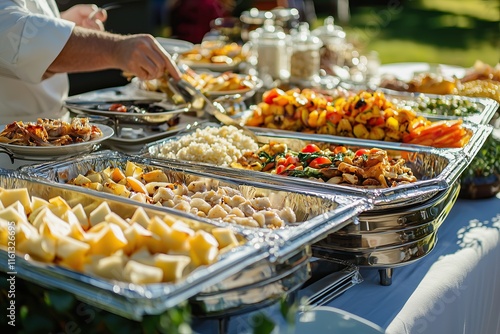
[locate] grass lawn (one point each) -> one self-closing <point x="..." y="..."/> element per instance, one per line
<point x="455" y="32"/>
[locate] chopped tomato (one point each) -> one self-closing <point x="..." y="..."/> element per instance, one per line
<point x="280" y="169"/>
<point x="291" y="161"/>
<point x="361" y="152"/>
<point x="339" y="149"/>
<point x="310" y="148"/>
<point x="320" y="162"/>
<point x="269" y="95"/>
<point x="376" y="121"/>
<point x="269" y="166"/>
<point x="118" y="107"/>
<point x="334" y="117"/>
<point x="281" y="161"/>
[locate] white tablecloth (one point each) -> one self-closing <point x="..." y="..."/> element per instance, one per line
<point x="454" y="289"/>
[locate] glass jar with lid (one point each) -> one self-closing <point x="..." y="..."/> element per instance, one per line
<point x="270" y="45"/>
<point x="305" y="58"/>
<point x="286" y="18"/>
<point x="334" y="45"/>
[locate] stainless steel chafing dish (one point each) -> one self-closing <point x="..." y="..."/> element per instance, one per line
<point x="316" y="214"/>
<point x="435" y="169"/>
<point x="386" y="240"/>
<point x="126" y="299"/>
<point x="403" y="217"/>
<point x="486" y="107"/>
<point x="288" y="248"/>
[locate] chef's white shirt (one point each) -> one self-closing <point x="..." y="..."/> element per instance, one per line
<point x="32" y="34"/>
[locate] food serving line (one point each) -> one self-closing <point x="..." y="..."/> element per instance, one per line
<point x="240" y="237"/>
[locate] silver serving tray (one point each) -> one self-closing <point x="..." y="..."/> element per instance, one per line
<point x="374" y="221"/>
<point x="128" y="300"/>
<point x="262" y="287"/>
<point x="90" y="103"/>
<point x="388" y="256"/>
<point x="436" y="169"/>
<point x="129" y="118"/>
<point x="350" y="239"/>
<point x="317" y="215"/>
<point x="486" y="107"/>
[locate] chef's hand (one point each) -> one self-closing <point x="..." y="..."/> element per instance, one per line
<point x="87" y="16"/>
<point x="142" y="56"/>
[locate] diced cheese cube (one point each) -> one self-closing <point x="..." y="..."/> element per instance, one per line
<point x="10" y="196"/>
<point x="139" y="273"/>
<point x="204" y="248"/>
<point x="225" y="237"/>
<point x="172" y="266"/>
<point x="98" y="215"/>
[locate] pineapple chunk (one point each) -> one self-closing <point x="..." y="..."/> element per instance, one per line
<point x="80" y="180"/>
<point x="4" y="232"/>
<point x="55" y="225"/>
<point x="80" y="214"/>
<point x="143" y="256"/>
<point x="94" y="177"/>
<point x="116" y="189"/>
<point x="76" y="230"/>
<point x="178" y="239"/>
<point x="155" y="176"/>
<point x="59" y="206"/>
<point x="37" y="202"/>
<point x="131" y="169"/>
<point x="117" y="175"/>
<point x="11" y="213"/>
<point x="136" y="185"/>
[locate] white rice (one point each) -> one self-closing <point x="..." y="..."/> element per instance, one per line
<point x="215" y="145"/>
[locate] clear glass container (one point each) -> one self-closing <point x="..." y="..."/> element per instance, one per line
<point x="270" y="46"/>
<point x="305" y="58"/>
<point x="334" y="45"/>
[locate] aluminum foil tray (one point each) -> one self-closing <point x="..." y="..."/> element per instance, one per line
<point x="486" y="107"/>
<point x="436" y="169"/>
<point x="316" y="215"/>
<point x="125" y="299"/>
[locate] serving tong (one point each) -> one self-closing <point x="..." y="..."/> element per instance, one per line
<point x="199" y="102"/>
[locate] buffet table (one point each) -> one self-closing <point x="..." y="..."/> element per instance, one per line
<point x="454" y="289"/>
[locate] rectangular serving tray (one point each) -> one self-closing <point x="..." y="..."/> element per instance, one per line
<point x="125" y="299"/>
<point x="317" y="214"/>
<point x="487" y="107"/>
<point x="436" y="169"/>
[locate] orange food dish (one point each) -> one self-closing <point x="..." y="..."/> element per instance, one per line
<point x="364" y="115"/>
